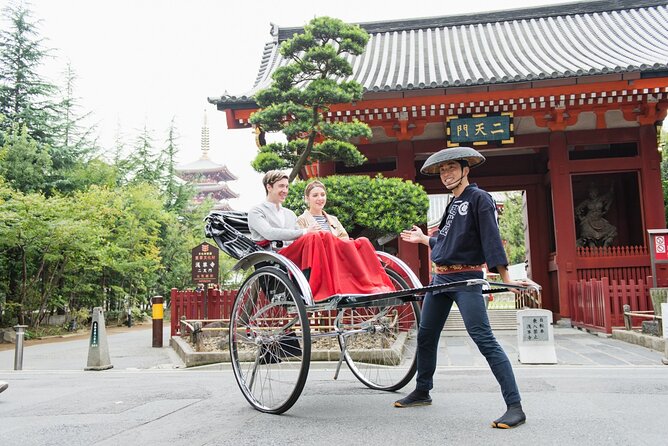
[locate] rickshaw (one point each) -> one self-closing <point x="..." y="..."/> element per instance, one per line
<point x="275" y="322"/>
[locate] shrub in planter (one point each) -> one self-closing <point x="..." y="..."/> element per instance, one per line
<point x="369" y="207"/>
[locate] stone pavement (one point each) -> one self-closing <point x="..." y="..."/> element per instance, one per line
<point x="602" y="391"/>
<point x="128" y="350"/>
<point x="573" y="347"/>
<point x="132" y="350"/>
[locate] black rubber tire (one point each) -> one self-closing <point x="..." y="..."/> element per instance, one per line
<point x="377" y="370"/>
<point x="270" y="341"/>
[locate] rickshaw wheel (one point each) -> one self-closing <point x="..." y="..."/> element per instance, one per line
<point x="382" y="355"/>
<point x="270" y="341"/>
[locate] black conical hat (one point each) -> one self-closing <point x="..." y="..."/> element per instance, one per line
<point x="433" y="163"/>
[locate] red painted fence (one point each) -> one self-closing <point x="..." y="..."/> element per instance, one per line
<point x="190" y="304"/>
<point x="219" y="306"/>
<point x="598" y="304"/>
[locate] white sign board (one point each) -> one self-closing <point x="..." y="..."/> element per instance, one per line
<point x="535" y="337"/>
<point x="664" y="320"/>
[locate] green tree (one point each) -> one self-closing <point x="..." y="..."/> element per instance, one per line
<point x="25" y="97"/>
<point x="51" y="245"/>
<point x="177" y="194"/>
<point x="75" y="139"/>
<point x="511" y="226"/>
<point x="144" y="163"/>
<point x="303" y="90"/>
<point x="24" y="162"/>
<point x="370" y="207"/>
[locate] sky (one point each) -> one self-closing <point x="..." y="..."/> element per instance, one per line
<point x="145" y="62"/>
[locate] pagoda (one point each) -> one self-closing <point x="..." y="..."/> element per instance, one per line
<point x="208" y="177"/>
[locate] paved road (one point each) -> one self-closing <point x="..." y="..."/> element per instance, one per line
<point x="127" y="350"/>
<point x="602" y="391"/>
<point x="566" y="405"/>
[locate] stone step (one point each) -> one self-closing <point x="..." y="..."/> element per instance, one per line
<point x="498" y="319"/>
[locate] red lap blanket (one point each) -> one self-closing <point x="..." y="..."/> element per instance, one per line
<point x="338" y="266"/>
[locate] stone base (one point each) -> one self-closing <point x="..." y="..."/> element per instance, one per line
<point x="8" y="335"/>
<point x="387" y="356"/>
<point x="98" y="368"/>
<point x="191" y="358"/>
<point x="652" y="328"/>
<point x="633" y="337"/>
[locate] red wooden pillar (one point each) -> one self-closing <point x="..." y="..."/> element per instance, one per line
<point x="538" y="247"/>
<point x="564" y="225"/>
<point x="651" y="192"/>
<point x="408" y="252"/>
<point x="650" y="178"/>
<point x="406" y="160"/>
<point x="327" y="168"/>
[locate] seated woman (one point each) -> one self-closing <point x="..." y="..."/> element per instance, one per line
<point x="315" y="196"/>
<point x="334" y="265"/>
<point x="270" y="221"/>
<point x="338" y="264"/>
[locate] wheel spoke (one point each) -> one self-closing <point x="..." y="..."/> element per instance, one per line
<point x="381" y="341"/>
<point x="269" y="341"/>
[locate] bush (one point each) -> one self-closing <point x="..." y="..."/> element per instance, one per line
<point x="371" y="207"/>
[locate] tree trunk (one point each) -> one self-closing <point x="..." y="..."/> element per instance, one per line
<point x="301" y="162"/>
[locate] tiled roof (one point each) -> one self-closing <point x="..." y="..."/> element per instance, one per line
<point x="220" y="188"/>
<point x="567" y="40"/>
<point x="204" y="166"/>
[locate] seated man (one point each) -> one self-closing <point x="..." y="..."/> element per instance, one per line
<point x="270" y="221"/>
<point x="332" y="265"/>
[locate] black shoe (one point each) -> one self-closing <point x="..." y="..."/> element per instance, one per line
<point x="513" y="417"/>
<point x="413" y="399"/>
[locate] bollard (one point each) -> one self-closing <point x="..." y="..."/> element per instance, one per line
<point x="18" y="353"/>
<point x="627" y="318"/>
<point x="157" y="315"/>
<point x="98" y="346"/>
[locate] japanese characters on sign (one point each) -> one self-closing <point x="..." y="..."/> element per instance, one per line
<point x="94" y="336"/>
<point x="535" y="328"/>
<point x="480" y="129"/>
<point x="205" y="263"/>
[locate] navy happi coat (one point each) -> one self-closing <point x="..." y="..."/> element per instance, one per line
<point x="469" y="232"/>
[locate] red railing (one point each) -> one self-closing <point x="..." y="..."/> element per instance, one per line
<point x="190" y="304"/>
<point x="598" y="304"/>
<point x="611" y="251"/>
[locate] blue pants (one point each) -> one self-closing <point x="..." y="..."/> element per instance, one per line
<point x="435" y="311"/>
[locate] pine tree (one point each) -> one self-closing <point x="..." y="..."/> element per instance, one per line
<point x="25" y="97"/>
<point x="177" y="195"/>
<point x="75" y="140"/>
<point x="303" y="90"/>
<point x="25" y="163"/>
<point x="145" y="165"/>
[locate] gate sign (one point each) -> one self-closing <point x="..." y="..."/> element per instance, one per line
<point x="658" y="241"/>
<point x="205" y="263"/>
<point x="480" y="129"/>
